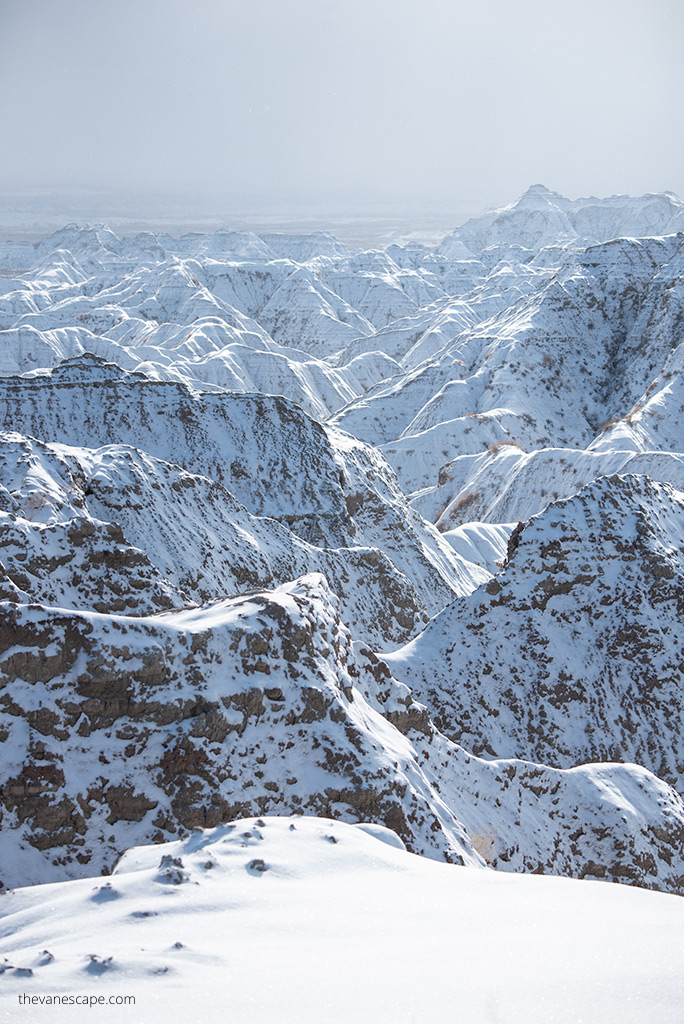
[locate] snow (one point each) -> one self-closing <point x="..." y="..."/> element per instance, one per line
<point x="234" y="468"/>
<point x="338" y="927"/>
<point x="481" y="543"/>
<point x="541" y="217"/>
<point x="581" y="625"/>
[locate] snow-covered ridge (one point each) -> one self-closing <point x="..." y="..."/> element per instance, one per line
<point x="543" y="217"/>
<point x="574" y="648"/>
<point x="261" y="704"/>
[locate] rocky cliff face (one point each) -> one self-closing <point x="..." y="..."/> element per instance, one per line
<point x="572" y="652"/>
<point x="124" y="729"/>
<point x="183" y="465"/>
<point x="122" y="726"/>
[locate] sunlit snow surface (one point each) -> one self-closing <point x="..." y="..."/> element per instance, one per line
<point x="217" y="457"/>
<point x="307" y="919"/>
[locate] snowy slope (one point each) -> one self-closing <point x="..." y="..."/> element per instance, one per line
<point x="551" y="370"/>
<point x="304" y="919"/>
<point x="324" y="487"/>
<point x="507" y="484"/>
<point x="541" y="217"/>
<point x="145" y="534"/>
<point x="260" y="704"/>
<point x="573" y="652"/>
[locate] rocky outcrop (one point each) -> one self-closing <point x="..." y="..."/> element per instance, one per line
<point x="128" y="729"/>
<point x="192" y="718"/>
<point x="117" y="530"/>
<point x="572" y="652"/>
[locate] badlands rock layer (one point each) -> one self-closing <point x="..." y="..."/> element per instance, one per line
<point x="390" y="536"/>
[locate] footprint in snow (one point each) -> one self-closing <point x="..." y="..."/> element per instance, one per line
<point x="257" y="866"/>
<point x="98" y="964"/>
<point x="105" y="893"/>
<point x="253" y="833"/>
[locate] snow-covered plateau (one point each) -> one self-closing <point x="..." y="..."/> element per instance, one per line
<point x="297" y="538"/>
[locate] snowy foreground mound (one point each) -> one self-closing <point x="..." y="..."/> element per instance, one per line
<point x="392" y="536"/>
<point x="300" y="920"/>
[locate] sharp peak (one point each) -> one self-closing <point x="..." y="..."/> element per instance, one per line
<point x="541" y="190"/>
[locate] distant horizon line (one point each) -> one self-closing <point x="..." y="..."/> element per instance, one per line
<point x="358" y="218"/>
<point x="300" y="192"/>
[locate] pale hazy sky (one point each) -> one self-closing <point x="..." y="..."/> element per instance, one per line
<point x="433" y="98"/>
